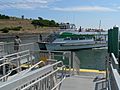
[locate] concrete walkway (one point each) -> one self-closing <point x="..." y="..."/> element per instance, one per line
<point x="86" y="82"/>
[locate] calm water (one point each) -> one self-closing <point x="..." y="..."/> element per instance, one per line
<point x="92" y="58"/>
<point x="89" y="59"/>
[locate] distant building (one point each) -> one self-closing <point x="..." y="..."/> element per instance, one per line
<point x="67" y="26"/>
<point x="94" y="30"/>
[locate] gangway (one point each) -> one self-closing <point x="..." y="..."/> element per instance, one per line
<point x="39" y="75"/>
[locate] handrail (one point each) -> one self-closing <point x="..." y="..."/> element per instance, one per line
<point x="35" y="65"/>
<point x="4" y="64"/>
<point x="58" y="83"/>
<point x="52" y="60"/>
<point x="113" y="74"/>
<point x="114" y="61"/>
<point x="49" y="51"/>
<point x="3" y="58"/>
<point x="16" y="53"/>
<point x="114" y="58"/>
<point x="7" y="60"/>
<point x="57" y="63"/>
<point x="115" y="77"/>
<point x="26" y="44"/>
<point x="5" y="76"/>
<point x="19" y="57"/>
<point x="42" y="78"/>
<point x="39" y="80"/>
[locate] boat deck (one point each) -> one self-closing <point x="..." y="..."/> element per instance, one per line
<point x="84" y="81"/>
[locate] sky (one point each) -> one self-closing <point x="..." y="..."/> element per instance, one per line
<point x="84" y="13"/>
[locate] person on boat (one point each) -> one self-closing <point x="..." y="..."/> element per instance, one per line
<point x="80" y="29"/>
<point x="17" y="42"/>
<point x="40" y="37"/>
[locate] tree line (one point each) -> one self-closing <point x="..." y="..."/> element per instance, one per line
<point x="4" y="16"/>
<point x="40" y="22"/>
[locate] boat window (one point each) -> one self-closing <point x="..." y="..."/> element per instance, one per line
<point x="74" y="38"/>
<point x="81" y="38"/>
<point x="67" y="38"/>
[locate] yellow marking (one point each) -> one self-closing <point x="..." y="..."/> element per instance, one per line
<point x="44" y="59"/>
<point x="87" y="70"/>
<point x="25" y="65"/>
<point x="81" y="70"/>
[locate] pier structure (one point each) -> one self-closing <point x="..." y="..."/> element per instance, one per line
<point x="36" y="69"/>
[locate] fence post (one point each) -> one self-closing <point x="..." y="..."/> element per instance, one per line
<point x="70" y="65"/>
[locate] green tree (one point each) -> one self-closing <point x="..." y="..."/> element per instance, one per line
<point x="40" y="18"/>
<point x="52" y="23"/>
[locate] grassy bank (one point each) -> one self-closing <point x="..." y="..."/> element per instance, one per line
<point x="26" y="25"/>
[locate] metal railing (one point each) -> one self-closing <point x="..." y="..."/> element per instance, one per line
<point x="1" y="49"/>
<point x="64" y="56"/>
<point x="9" y="47"/>
<point x="51" y="74"/>
<point x="113" y="76"/>
<point x="76" y="64"/>
<point x="47" y="82"/>
<point x="48" y="77"/>
<point x="13" y="62"/>
<point x="19" y="60"/>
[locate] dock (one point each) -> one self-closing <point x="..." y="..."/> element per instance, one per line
<point x="30" y="69"/>
<point x="85" y="81"/>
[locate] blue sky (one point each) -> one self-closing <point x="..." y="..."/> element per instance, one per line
<point x="85" y="13"/>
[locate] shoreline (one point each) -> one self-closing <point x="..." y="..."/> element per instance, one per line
<point x="26" y="33"/>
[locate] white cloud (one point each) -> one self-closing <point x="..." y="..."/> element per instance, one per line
<point x="118" y="7"/>
<point x="86" y="8"/>
<point x="26" y="4"/>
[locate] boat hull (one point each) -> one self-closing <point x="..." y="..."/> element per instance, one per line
<point x="77" y="46"/>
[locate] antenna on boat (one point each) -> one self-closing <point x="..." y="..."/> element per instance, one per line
<point x="99" y="29"/>
<point x="100" y="25"/>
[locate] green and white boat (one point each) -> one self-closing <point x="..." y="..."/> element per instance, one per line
<point x="71" y="39"/>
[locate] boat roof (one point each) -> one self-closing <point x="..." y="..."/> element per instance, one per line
<point x="83" y="33"/>
<point x="61" y="40"/>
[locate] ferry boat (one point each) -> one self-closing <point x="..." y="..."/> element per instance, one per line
<point x="69" y="38"/>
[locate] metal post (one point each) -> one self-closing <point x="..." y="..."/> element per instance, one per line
<point x="4" y="69"/>
<point x="49" y="52"/>
<point x="70" y="63"/>
<point x="28" y="60"/>
<point x="18" y="62"/>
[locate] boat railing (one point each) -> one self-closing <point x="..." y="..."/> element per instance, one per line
<point x="50" y="38"/>
<point x="113" y="76"/>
